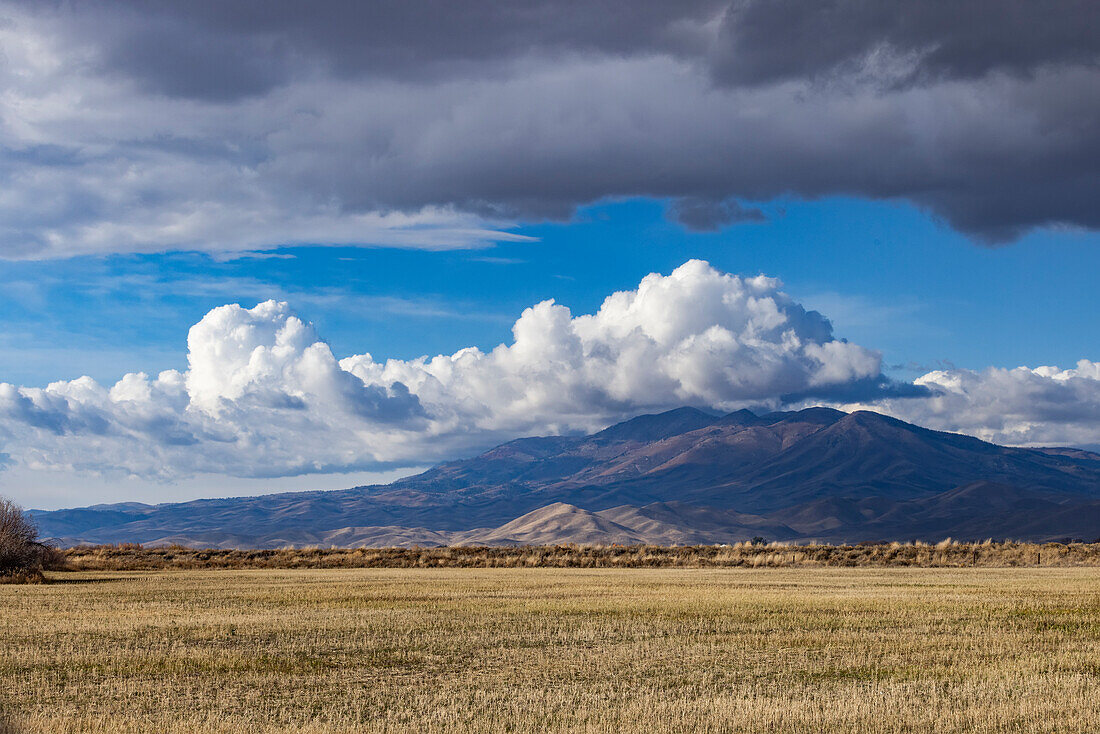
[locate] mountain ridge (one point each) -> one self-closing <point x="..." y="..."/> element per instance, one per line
<point x="814" y="474"/>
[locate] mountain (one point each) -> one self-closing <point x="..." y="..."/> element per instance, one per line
<point x="684" y="476"/>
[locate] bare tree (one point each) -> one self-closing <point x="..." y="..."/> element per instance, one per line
<point x="21" y="555"/>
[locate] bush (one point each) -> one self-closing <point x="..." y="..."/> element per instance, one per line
<point x="22" y="557"/>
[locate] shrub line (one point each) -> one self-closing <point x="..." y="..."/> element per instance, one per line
<point x="947" y="554"/>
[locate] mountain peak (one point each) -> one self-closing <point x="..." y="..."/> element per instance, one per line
<point x="657" y="426"/>
<point x="884" y="427"/>
<point x="743" y="417"/>
<point x="817" y="415"/>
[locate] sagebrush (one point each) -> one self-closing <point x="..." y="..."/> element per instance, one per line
<point x="751" y="554"/>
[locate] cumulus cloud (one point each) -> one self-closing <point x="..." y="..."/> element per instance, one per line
<point x="264" y="395"/>
<point x="1041" y="406"/>
<point x="230" y="125"/>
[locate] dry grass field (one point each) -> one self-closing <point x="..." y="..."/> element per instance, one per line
<point x="534" y="650"/>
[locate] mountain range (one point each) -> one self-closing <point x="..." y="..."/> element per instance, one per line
<point x="680" y="477"/>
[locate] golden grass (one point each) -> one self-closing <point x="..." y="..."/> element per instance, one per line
<point x="533" y="650"/>
<point x="949" y="554"/>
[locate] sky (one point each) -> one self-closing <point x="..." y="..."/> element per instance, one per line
<point x="246" y="248"/>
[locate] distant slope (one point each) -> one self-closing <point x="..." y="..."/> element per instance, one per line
<point x="684" y="476"/>
<point x="557" y="523"/>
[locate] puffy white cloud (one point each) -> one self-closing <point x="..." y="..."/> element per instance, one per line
<point x="264" y="395"/>
<point x="696" y="336"/>
<point x="1041" y="406"/>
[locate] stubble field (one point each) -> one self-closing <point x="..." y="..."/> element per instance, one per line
<point x="534" y="650"/>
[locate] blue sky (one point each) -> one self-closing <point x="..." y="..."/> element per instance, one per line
<point x="887" y="275"/>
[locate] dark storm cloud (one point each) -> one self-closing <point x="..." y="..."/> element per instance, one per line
<point x="253" y="124"/>
<point x="865" y="390"/>
<point x="215" y="49"/>
<point x="706" y="215"/>
<point x="773" y="40"/>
